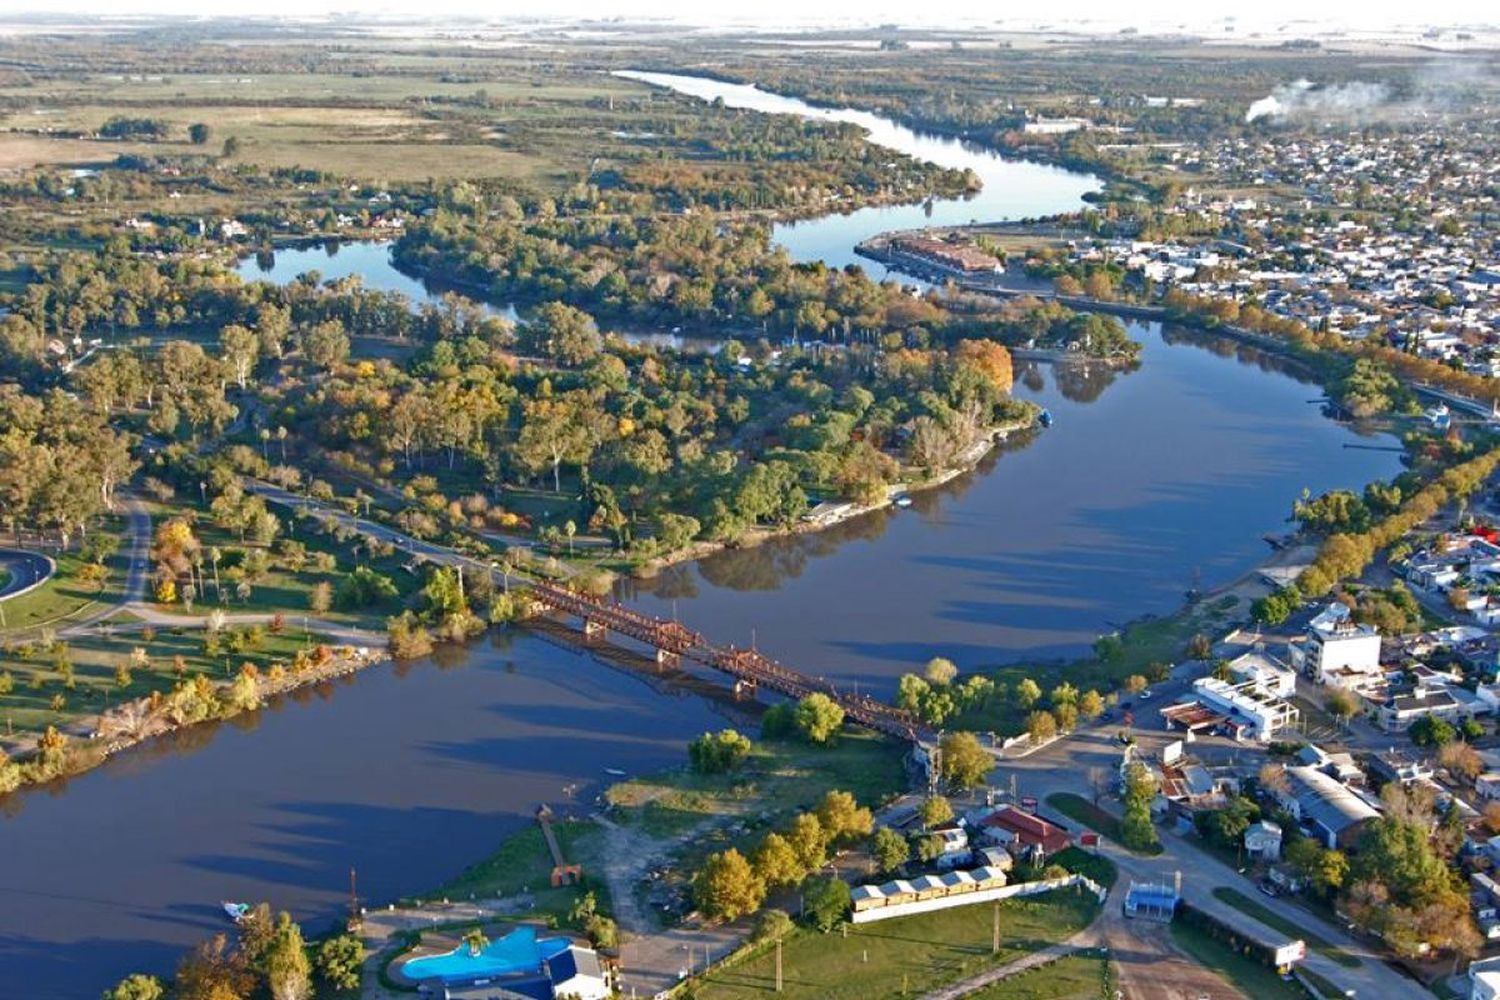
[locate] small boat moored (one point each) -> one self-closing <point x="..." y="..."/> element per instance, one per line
<point x="903" y="501"/>
<point x="1044" y="418"/>
<point x="236" y="911"/>
<point x="615" y="771"/>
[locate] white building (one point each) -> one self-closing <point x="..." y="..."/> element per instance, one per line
<point x="1338" y="650"/>
<point x="1263" y="841"/>
<point x="1270" y="675"/>
<point x="1484" y="979"/>
<point x="1247" y="710"/>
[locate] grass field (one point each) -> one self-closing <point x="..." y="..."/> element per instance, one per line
<point x="1077" y="977"/>
<point x="1251" y="908"/>
<point x="779" y="777"/>
<point x="905" y="956"/>
<point x="1254" y="979"/>
<point x="38" y="678"/>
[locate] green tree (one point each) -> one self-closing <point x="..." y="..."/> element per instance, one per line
<point x="1430" y="731"/>
<point x="1091" y="705"/>
<point x="340" y="960"/>
<point x="1028" y="692"/>
<point x="727" y="887"/>
<point x="1136" y="829"/>
<point x="287" y="970"/>
<point x="819" y="718"/>
<point x="809" y="840"/>
<point x="715" y="753"/>
<point x="137" y="987"/>
<point x="934" y="811"/>
<point x="1041" y="725"/>
<point x="965" y="761"/>
<point x="889" y="850"/>
<point x="199" y="133"/>
<point x="826" y="902"/>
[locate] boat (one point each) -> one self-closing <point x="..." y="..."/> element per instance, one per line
<point x="903" y="501"/>
<point x="614" y="771"/>
<point x="236" y="911"/>
<point x="1044" y="418"/>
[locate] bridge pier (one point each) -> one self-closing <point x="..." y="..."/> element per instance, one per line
<point x="745" y="688"/>
<point x="594" y="629"/>
<point x="667" y="658"/>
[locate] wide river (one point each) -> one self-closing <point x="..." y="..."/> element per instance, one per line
<point x="408" y="774"/>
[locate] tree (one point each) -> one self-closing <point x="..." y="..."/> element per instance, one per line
<point x="809" y="840"/>
<point x="771" y="925"/>
<point x="476" y="940"/>
<point x="213" y="972"/>
<point x="825" y="902"/>
<point x="199" y="134"/>
<point x="940" y="670"/>
<point x="965" y="761"/>
<point x="1041" y="726"/>
<point x="1135" y="684"/>
<point x="1090" y="705"/>
<point x="776" y="862"/>
<point x="715" y="753"/>
<point x="819" y="718"/>
<point x="1461" y="760"/>
<point x="1137" y="831"/>
<point x="137" y="987"/>
<point x="340" y="960"/>
<point x="231" y="147"/>
<point x="326" y="344"/>
<point x="1341" y="703"/>
<point x="320" y="599"/>
<point x="843" y="819"/>
<point x="563" y="333"/>
<point x="1430" y="731"/>
<point x="935" y="810"/>
<point x="288" y="972"/>
<point x="727" y="887"/>
<point x="889" y="850"/>
<point x="1028" y="692"/>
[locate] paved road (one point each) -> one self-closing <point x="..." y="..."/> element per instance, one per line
<point x="24" y="569"/>
<point x="1064" y="767"/>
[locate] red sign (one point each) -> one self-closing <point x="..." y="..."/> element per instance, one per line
<point x="1029" y="803"/>
<point x="1088" y="839"/>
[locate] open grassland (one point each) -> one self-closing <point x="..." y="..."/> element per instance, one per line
<point x="1077" y="977"/>
<point x="905" y="956"/>
<point x="779" y="777"/>
<point x="522" y="865"/>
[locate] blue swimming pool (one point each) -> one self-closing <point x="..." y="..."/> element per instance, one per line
<point x="520" y="951"/>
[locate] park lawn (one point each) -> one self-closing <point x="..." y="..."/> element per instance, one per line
<point x="1086" y="863"/>
<point x="1076" y="977"/>
<point x="63" y="597"/>
<point x="779" y="778"/>
<point x="95" y="657"/>
<point x="281" y="589"/>
<point x="1081" y="810"/>
<point x="1252" y="908"/>
<point x="1245" y="974"/>
<point x="522" y="864"/>
<point x="903" y="956"/>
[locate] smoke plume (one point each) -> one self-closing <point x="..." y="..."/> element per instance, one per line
<point x="1305" y="99"/>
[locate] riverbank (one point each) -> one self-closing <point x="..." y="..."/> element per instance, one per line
<point x="56" y="755"/>
<point x="839" y="513"/>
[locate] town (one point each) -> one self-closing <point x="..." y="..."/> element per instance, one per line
<point x="530" y="510"/>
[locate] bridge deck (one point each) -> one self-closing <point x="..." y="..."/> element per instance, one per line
<point x="742" y="664"/>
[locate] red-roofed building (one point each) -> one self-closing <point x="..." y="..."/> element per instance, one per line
<point x="1012" y="826"/>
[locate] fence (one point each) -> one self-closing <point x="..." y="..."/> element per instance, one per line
<point x="981" y="896"/>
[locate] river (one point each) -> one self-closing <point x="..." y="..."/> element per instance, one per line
<point x="411" y="773"/>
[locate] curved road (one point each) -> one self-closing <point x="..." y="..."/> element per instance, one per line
<point x="24" y="569"/>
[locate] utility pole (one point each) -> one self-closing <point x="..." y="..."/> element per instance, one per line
<point x="778" y="965"/>
<point x="995" y="938"/>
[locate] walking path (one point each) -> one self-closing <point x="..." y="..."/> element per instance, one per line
<point x="1035" y="960"/>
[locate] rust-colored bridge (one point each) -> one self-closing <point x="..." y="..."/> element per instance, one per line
<point x="749" y="668"/>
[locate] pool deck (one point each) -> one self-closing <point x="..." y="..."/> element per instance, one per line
<point x="438" y="943"/>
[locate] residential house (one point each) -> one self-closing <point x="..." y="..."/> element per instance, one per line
<point x="1263" y="841"/>
<point x="1023" y="834"/>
